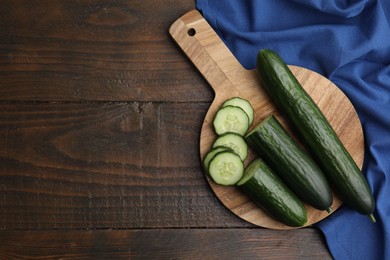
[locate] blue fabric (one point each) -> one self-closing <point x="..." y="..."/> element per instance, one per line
<point x="348" y="41"/>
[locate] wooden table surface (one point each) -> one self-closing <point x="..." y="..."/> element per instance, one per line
<point x="100" y="115"/>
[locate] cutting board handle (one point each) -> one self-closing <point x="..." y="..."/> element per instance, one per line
<point x="207" y="52"/>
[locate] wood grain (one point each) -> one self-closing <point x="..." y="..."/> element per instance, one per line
<point x="110" y="165"/>
<point x="163" y="244"/>
<point x="100" y="117"/>
<point x="229" y="79"/>
<point x="88" y="50"/>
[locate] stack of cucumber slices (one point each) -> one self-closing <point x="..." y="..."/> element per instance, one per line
<point x="225" y="161"/>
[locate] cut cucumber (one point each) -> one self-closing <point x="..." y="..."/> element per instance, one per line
<point x="226" y="168"/>
<point x="269" y="192"/>
<point x="210" y="155"/>
<point x="243" y="104"/>
<point x="270" y="140"/>
<point x="231" y="119"/>
<point x="233" y="141"/>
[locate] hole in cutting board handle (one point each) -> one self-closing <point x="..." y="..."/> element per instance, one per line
<point x="191" y="32"/>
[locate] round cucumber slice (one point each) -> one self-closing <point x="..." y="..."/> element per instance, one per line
<point x="235" y="142"/>
<point x="231" y="119"/>
<point x="242" y="103"/>
<point x="226" y="168"/>
<point x="210" y="155"/>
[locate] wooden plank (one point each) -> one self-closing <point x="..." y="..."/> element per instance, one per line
<point x="105" y="165"/>
<point x="95" y="50"/>
<point x="164" y="244"/>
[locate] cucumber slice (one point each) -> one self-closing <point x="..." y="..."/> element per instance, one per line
<point x="210" y="155"/>
<point x="226" y="168"/>
<point x="233" y="141"/>
<point x="231" y="119"/>
<point x="243" y="104"/>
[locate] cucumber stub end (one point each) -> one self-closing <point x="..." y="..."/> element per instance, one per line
<point x="372" y="218"/>
<point x="329" y="210"/>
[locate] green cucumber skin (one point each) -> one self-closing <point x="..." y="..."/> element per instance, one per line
<point x="317" y="134"/>
<point x="273" y="144"/>
<point x="269" y="192"/>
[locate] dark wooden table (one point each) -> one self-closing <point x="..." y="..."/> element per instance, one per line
<point x="100" y="116"/>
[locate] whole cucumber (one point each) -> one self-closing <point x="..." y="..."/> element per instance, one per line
<point x="316" y="132"/>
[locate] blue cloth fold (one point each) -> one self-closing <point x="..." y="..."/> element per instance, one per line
<point x="347" y="41"/>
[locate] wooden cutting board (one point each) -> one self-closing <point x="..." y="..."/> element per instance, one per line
<point x="229" y="79"/>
